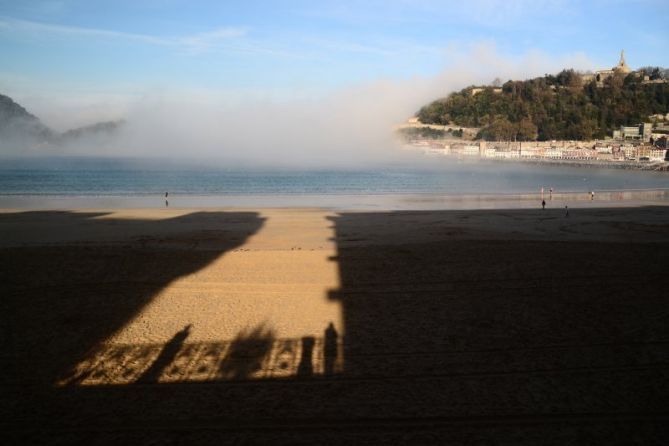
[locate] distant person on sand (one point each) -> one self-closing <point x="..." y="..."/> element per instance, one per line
<point x="166" y="202"/>
<point x="566" y="211"/>
<point x="550" y="196"/>
<point x="592" y="195"/>
<point x="543" y="204"/>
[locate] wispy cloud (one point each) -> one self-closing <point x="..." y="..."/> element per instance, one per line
<point x="194" y="43"/>
<point x="203" y="42"/>
<point x="224" y="39"/>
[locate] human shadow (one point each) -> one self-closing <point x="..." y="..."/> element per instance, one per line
<point x="246" y="353"/>
<point x="330" y="349"/>
<point x="166" y="357"/>
<point x="306" y="367"/>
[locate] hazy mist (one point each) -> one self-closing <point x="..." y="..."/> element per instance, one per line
<point x="351" y="126"/>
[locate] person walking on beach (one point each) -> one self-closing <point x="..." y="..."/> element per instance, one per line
<point x="566" y="211"/>
<point x="592" y="195"/>
<point x="543" y="204"/>
<point x="550" y="194"/>
<point x="167" y="204"/>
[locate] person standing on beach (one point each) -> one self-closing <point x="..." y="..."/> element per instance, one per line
<point x="592" y="195"/>
<point x="566" y="211"/>
<point x="543" y="204"/>
<point x="167" y="204"/>
<point x="550" y="194"/>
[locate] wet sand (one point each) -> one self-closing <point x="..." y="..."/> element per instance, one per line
<point x="343" y="202"/>
<point x="319" y="326"/>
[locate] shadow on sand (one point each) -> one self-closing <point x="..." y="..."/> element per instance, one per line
<point x="447" y="341"/>
<point x="62" y="301"/>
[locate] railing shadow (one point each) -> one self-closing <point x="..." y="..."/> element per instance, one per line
<point x="446" y="338"/>
<point x="62" y="301"/>
<point x="252" y="355"/>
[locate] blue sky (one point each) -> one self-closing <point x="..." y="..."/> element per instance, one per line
<point x="127" y="46"/>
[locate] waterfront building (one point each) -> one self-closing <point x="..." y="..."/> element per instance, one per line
<point x="471" y="150"/>
<point x="640" y="132"/>
<point x="629" y="151"/>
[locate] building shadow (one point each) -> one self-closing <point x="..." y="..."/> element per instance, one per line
<point x="447" y="337"/>
<point x="451" y="328"/>
<point x="167" y="355"/>
<point x="61" y="300"/>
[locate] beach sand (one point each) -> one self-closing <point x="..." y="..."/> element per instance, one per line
<point x="316" y="326"/>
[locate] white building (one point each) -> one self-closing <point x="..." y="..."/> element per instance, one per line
<point x="471" y="150"/>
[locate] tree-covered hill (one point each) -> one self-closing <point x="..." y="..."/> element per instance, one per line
<point x="552" y="107"/>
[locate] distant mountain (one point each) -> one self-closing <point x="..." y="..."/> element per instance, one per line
<point x="17" y="126"/>
<point x="20" y="130"/>
<point x="100" y="128"/>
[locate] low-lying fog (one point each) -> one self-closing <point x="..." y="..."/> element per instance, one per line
<point x="349" y="127"/>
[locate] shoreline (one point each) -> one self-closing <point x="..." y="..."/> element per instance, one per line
<point x="381" y="201"/>
<point x="648" y="166"/>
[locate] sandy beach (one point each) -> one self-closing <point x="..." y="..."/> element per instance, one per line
<point x="498" y="325"/>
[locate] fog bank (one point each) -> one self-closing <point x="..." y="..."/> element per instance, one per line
<point x="351" y="126"/>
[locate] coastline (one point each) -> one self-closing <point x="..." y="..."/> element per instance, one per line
<point x="592" y="164"/>
<point x="381" y="201"/>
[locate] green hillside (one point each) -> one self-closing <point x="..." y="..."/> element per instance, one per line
<point x="551" y="107"/>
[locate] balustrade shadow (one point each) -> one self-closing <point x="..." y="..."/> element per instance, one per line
<point x="60" y="300"/>
<point x="445" y="339"/>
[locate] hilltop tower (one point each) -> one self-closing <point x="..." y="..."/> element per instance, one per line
<point x="622" y="66"/>
<point x="601" y="75"/>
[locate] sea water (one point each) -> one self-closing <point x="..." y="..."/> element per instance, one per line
<point x="74" y="177"/>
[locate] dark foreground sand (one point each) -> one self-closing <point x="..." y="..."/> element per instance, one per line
<point x="316" y="327"/>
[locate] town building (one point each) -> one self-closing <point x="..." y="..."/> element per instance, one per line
<point x="640" y="132"/>
<point x="477" y="90"/>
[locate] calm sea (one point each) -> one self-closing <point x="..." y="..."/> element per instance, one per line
<point x="126" y="178"/>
